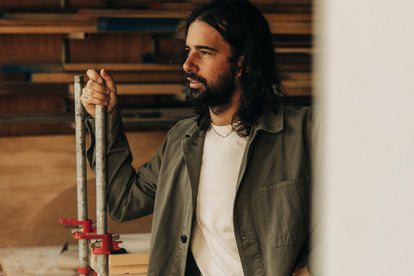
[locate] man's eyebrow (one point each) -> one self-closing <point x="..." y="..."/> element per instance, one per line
<point x="202" y="47"/>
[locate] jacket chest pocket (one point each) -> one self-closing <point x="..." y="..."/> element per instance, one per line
<point x="285" y="208"/>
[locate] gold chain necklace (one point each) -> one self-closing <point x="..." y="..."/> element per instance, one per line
<point x="221" y="135"/>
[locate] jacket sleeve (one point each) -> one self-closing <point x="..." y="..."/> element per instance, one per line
<point x="130" y="195"/>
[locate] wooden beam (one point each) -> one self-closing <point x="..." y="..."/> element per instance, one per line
<point x="129" y="259"/>
<point x="119" y="77"/>
<point x="133" y="13"/>
<point x="122" y="66"/>
<point x="40" y="16"/>
<point x="180" y="14"/>
<point x="145" y="89"/>
<point x="70" y="23"/>
<point x="295" y="76"/>
<point x="298" y="88"/>
<point x="284" y="17"/>
<point x="290" y="27"/>
<point x="293" y="50"/>
<point x="32" y="29"/>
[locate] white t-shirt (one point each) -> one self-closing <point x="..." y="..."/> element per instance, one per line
<point x="213" y="242"/>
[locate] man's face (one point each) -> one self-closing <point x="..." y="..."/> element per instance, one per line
<point x="210" y="75"/>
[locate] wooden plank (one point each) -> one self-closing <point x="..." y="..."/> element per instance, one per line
<point x="147" y="25"/>
<point x="44" y="16"/>
<point x="30" y="29"/>
<point x="298" y="88"/>
<point x="141" y="21"/>
<point x="135" y="262"/>
<point x="119" y="77"/>
<point x="133" y="13"/>
<point x="285" y="17"/>
<point x="179" y="14"/>
<point x="290" y="27"/>
<point x="295" y="76"/>
<point x="111" y="47"/>
<point x="127" y="269"/>
<point x="145" y="89"/>
<point x="46" y="22"/>
<point x="283" y="2"/>
<point x="24" y="88"/>
<point x="30" y="4"/>
<point x="30" y="48"/>
<point x="308" y="51"/>
<point x="32" y="261"/>
<point x="121" y="66"/>
<point x="129" y="259"/>
<point x="149" y="89"/>
<point x="28" y="68"/>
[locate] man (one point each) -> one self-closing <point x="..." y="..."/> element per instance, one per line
<point x="229" y="188"/>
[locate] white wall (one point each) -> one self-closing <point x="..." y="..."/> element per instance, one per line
<point x="364" y="193"/>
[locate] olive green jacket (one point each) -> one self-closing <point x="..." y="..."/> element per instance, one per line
<point x="271" y="209"/>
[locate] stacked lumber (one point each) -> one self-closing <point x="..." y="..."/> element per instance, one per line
<point x="139" y="42"/>
<point x="135" y="262"/>
<point x="128" y="264"/>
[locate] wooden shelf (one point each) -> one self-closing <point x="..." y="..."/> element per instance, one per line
<point x="144" y="89"/>
<point x="297" y="28"/>
<point x="44" y="26"/>
<point x="119" y="77"/>
<point x="105" y="20"/>
<point x="133" y="13"/>
<point x="308" y="51"/>
<point x="137" y="42"/>
<point x="121" y="66"/>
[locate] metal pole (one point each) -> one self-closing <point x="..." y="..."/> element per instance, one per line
<point x="81" y="171"/>
<point x="101" y="223"/>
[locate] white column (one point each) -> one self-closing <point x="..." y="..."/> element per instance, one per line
<point x="364" y="193"/>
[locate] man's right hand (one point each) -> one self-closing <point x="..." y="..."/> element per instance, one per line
<point x="100" y="90"/>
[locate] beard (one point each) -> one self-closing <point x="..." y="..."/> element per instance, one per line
<point x="217" y="96"/>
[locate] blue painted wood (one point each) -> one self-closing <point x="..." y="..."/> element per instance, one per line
<point x="152" y="25"/>
<point x="30" y="68"/>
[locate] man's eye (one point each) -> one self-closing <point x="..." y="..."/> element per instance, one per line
<point x="186" y="53"/>
<point x="205" y="53"/>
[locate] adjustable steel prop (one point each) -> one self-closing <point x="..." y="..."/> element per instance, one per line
<point x="86" y="232"/>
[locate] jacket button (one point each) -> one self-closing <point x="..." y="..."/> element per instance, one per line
<point x="183" y="238"/>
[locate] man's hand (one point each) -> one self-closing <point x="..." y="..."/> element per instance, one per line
<point x="100" y="90"/>
<point x="300" y="271"/>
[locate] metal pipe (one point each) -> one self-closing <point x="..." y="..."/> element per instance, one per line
<point x="81" y="170"/>
<point x="101" y="221"/>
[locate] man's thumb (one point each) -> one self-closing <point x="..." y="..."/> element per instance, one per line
<point x="108" y="79"/>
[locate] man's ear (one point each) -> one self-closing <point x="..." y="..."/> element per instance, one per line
<point x="239" y="65"/>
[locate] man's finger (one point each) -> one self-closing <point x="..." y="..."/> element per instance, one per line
<point x="93" y="75"/>
<point x="108" y="80"/>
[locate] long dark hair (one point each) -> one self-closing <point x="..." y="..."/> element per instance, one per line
<point x="244" y="27"/>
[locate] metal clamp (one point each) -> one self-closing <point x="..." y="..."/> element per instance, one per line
<point x="86" y="224"/>
<point x="106" y="242"/>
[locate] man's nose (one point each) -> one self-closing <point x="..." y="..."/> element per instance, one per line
<point x="189" y="64"/>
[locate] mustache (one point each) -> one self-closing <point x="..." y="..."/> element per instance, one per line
<point x="196" y="77"/>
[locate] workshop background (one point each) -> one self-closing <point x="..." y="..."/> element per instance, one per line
<point x="357" y="65"/>
<point x="45" y="43"/>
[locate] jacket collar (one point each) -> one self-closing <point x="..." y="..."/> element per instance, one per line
<point x="194" y="129"/>
<point x="271" y="121"/>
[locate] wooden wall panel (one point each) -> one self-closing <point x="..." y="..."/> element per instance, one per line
<point x="30" y="48"/>
<point x="30" y="4"/>
<point x="42" y="103"/>
<point x="111" y="47"/>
